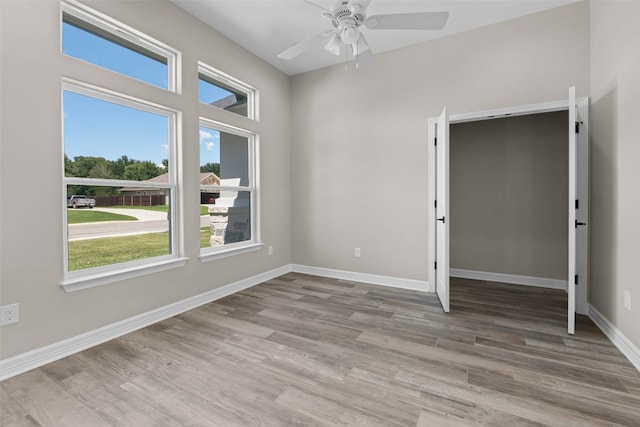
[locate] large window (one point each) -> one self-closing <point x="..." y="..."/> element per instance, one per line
<point x="119" y="164"/>
<point x="223" y="91"/>
<point x="91" y="37"/>
<point x="121" y="175"/>
<point x="227" y="186"/>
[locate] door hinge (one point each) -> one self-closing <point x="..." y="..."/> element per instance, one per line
<point x="435" y="203"/>
<point x="577" y="127"/>
<point x="575" y="280"/>
<point x="435" y="265"/>
<point x="577" y="204"/>
<point x="435" y="141"/>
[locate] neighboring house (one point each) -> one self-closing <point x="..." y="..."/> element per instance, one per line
<point x="236" y="103"/>
<point x="206" y="178"/>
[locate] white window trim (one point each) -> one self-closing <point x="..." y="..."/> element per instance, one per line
<point x="232" y="249"/>
<point x="240" y="86"/>
<point x="213" y="253"/>
<point x="98" y="276"/>
<point x="90" y="277"/>
<point x="118" y="29"/>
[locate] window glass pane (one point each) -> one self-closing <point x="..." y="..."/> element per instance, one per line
<point x="226" y="155"/>
<point x="126" y="224"/>
<point x="229" y="220"/>
<point x="111" y="141"/>
<point x="222" y="96"/>
<point x="100" y="47"/>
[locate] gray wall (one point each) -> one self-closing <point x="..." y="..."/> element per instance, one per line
<point x="509" y="195"/>
<point x="359" y="138"/>
<point x="615" y="157"/>
<point x="31" y="163"/>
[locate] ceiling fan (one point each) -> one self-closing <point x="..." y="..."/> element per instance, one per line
<point x="348" y="16"/>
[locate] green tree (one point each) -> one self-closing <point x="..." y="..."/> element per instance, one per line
<point x="84" y="164"/>
<point x="119" y="165"/>
<point x="69" y="166"/>
<point x="102" y="170"/>
<point x="141" y="171"/>
<point x="211" y="167"/>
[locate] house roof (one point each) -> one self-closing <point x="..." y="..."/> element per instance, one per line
<point x="206" y="178"/>
<point x="230" y="101"/>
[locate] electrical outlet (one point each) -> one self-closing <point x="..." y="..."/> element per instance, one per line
<point x="357" y="252"/>
<point x="627" y="300"/>
<point x="9" y="314"/>
<point x="270" y="250"/>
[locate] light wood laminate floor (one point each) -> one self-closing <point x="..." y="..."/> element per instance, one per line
<point x="307" y="351"/>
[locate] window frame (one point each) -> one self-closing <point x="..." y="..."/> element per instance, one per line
<point x="132" y="37"/>
<point x="213" y="253"/>
<point x="235" y="84"/>
<point x="90" y="277"/>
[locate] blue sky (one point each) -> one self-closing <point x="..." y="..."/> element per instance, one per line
<point x="93" y="127"/>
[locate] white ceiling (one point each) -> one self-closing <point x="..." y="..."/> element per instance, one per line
<point x="267" y="27"/>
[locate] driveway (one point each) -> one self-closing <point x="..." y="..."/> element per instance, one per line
<point x="147" y="222"/>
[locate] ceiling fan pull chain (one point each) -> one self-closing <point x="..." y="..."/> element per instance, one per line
<point x="346" y="59"/>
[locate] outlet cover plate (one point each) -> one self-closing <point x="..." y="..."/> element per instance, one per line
<point x="9" y="314"/>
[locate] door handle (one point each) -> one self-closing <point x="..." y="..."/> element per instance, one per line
<point x="441" y="219"/>
<point x="580" y="223"/>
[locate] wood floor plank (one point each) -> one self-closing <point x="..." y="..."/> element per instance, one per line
<point x="301" y="350"/>
<point x="48" y="403"/>
<point x="632" y="385"/>
<point x="12" y="414"/>
<point x="579" y="404"/>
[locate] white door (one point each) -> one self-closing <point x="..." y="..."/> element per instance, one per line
<point x="582" y="204"/>
<point x="573" y="221"/>
<point x="578" y="207"/>
<point x="442" y="208"/>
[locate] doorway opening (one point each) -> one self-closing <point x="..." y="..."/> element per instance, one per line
<point x="523" y="219"/>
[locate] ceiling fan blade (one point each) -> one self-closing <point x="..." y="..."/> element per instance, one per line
<point x="316" y="5"/>
<point x="408" y="21"/>
<point x="306" y="44"/>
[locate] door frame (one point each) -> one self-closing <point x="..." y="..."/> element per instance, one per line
<point x="521" y="110"/>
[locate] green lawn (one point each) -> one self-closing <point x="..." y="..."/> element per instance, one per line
<point x="77" y="216"/>
<point x="113" y="250"/>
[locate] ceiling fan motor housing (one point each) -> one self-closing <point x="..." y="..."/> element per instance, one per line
<point x="346" y="20"/>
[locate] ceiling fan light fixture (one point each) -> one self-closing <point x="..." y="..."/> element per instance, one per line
<point x="349" y="35"/>
<point x="333" y="45"/>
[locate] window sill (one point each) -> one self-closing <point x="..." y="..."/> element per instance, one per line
<point x="78" y="281"/>
<point x="227" y="252"/>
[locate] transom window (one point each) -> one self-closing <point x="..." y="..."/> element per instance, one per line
<point x="223" y="91"/>
<point x="88" y="36"/>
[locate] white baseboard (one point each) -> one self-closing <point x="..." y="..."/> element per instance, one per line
<point x="616" y="337"/>
<point x="509" y="278"/>
<point x="374" y="279"/>
<point x="39" y="357"/>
